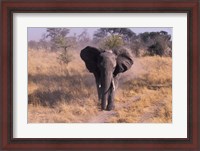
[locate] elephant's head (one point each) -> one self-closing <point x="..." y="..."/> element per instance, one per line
<point x="106" y="67"/>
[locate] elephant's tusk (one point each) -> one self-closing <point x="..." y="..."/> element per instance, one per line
<point x="113" y="83"/>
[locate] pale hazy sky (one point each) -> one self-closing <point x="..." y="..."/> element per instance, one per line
<point x="35" y="33"/>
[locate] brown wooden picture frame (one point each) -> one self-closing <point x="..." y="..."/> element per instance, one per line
<point x="8" y="7"/>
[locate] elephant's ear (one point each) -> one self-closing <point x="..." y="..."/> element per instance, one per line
<point x="124" y="60"/>
<point x="90" y="56"/>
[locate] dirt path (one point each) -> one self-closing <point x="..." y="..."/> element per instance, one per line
<point x="103" y="116"/>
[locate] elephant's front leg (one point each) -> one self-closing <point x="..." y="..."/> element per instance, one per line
<point x="99" y="91"/>
<point x="111" y="105"/>
<point x="98" y="84"/>
<point x="104" y="100"/>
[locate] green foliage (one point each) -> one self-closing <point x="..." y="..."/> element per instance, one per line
<point x="156" y="49"/>
<point x="65" y="57"/>
<point x="147" y="43"/>
<point x="112" y="42"/>
<point x="142" y="44"/>
<point x="116" y="37"/>
<point x="125" y="33"/>
<point x="59" y="39"/>
<point x="152" y="43"/>
<point x="161" y="41"/>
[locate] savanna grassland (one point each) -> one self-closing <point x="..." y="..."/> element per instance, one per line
<point x="67" y="93"/>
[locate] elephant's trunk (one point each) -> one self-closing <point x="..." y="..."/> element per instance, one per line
<point x="105" y="87"/>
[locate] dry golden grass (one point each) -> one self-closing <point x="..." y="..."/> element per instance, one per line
<point x="64" y="94"/>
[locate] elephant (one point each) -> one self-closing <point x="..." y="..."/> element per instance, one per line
<point x="107" y="66"/>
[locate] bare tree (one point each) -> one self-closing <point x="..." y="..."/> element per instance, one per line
<point x="59" y="40"/>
